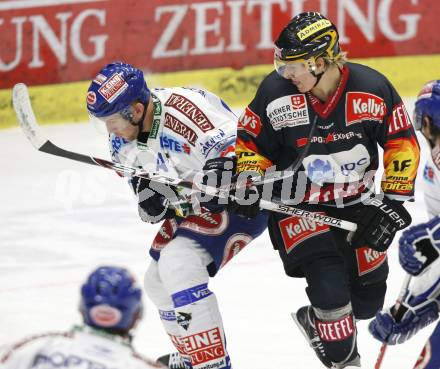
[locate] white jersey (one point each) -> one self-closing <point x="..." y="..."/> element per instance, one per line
<point x="81" y="348"/>
<point x="189" y="127"/>
<point x="428" y="283"/>
<point x="431" y="179"/>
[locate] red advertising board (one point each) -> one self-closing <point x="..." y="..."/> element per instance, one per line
<point x="51" y="41"/>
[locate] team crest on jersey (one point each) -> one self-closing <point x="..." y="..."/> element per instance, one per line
<point x="114" y="86"/>
<point x="363" y="106"/>
<point x="369" y="259"/>
<point x="249" y="122"/>
<point x="288" y="111"/>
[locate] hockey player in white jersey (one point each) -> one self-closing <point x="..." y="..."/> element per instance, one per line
<point x="177" y="132"/>
<point x="419" y="249"/>
<point x="111" y="306"/>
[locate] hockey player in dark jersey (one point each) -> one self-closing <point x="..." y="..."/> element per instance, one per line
<point x="339" y="112"/>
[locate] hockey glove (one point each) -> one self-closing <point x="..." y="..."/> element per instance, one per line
<point x="152" y="206"/>
<point x="397" y="325"/>
<point x="377" y="223"/>
<point x="247" y="197"/>
<point x="218" y="174"/>
<point x="419" y="246"/>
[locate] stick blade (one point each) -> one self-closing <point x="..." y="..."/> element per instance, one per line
<point x="25" y="115"/>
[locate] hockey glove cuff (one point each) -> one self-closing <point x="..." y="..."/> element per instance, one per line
<point x="419" y="247"/>
<point x="247" y="197"/>
<point x="218" y="174"/>
<point x="395" y="326"/>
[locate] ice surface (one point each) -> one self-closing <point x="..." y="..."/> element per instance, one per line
<point x="60" y="219"/>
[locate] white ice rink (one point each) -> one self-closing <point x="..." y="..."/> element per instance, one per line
<point x="59" y="219"/>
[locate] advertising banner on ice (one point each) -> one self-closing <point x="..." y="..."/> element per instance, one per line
<point x="51" y="41"/>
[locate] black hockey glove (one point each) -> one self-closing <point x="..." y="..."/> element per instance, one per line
<point x="377" y="223"/>
<point x="152" y="206"/>
<point x="218" y="174"/>
<point x="246" y="198"/>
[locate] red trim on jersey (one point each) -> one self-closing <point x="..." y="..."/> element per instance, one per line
<point x="324" y="109"/>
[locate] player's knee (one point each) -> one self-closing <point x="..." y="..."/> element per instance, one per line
<point x="182" y="265"/>
<point x="337" y="331"/>
<point x="328" y="286"/>
<point x="368" y="300"/>
<point x="154" y="287"/>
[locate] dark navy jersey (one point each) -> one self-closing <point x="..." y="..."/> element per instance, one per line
<point x="365" y="111"/>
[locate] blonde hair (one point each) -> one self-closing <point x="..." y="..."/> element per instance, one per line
<point x="339" y="59"/>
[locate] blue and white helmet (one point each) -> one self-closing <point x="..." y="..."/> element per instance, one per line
<point x="428" y="104"/>
<point x="110" y="299"/>
<point x="114" y="88"/>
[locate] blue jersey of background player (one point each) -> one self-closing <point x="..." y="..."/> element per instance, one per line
<point x="419" y="249"/>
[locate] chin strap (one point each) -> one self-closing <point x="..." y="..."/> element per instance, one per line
<point x="317" y="76"/>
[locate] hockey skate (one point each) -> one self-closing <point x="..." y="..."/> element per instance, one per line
<point x="172" y="361"/>
<point x="305" y="320"/>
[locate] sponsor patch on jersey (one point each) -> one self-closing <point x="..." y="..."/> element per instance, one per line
<point x="339" y="167"/>
<point x="180" y="128"/>
<point x="234" y="245"/>
<point x="428" y="173"/>
<point x="249" y="122"/>
<point x="288" y="111"/>
<point x="213" y="141"/>
<point x="369" y="259"/>
<point x="178" y="344"/>
<point x="105" y="315"/>
<point x="363" y="106"/>
<point x="401" y="160"/>
<point x="168" y="315"/>
<point x="295" y="230"/>
<point x="205" y="346"/>
<point x="172" y="144"/>
<point x="337" y="330"/>
<point x="331" y="137"/>
<point x="206" y="223"/>
<point x="91" y="98"/>
<point x="190" y="110"/>
<point x="399" y="119"/>
<point x="113" y="87"/>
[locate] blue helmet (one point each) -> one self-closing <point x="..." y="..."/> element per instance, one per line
<point x="110" y="299"/>
<point x="114" y="88"/>
<point x="428" y="104"/>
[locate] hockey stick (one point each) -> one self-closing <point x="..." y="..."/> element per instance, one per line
<point x="403" y="290"/>
<point x="30" y="127"/>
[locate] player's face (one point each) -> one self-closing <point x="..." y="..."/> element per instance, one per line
<point x="296" y="72"/>
<point x="119" y="126"/>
